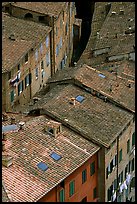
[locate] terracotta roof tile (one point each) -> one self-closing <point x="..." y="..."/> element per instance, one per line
<point x="23" y="179"/>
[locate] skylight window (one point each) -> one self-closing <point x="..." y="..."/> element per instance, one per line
<point x="102" y="76"/>
<point x="8" y="128"/>
<point x="80" y="98"/>
<point x="42" y="166"/>
<point x="55" y="156"/>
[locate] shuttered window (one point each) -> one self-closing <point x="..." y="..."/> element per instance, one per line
<point x="71" y="188"/>
<point x="92" y="168"/>
<point x="84" y="176"/>
<point x="12" y="96"/>
<point x="62" y="195"/>
<point x="133" y="139"/>
<point x="120" y="155"/>
<point x="128" y="146"/>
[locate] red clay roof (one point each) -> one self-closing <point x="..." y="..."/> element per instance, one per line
<point x="23" y="179"/>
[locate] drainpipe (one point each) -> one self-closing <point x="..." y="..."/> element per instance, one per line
<point x="117" y="168"/>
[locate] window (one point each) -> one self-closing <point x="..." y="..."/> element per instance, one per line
<point x="132" y="165"/>
<point x="126" y="170"/>
<point x="12" y="96"/>
<point x="20" y="88"/>
<point x="47" y="59"/>
<point x="120" y="155"/>
<point x="42" y="65"/>
<point x="28" y="80"/>
<point x="84" y="199"/>
<point x="26" y="58"/>
<point x="18" y="67"/>
<point x="9" y="75"/>
<point x="92" y="168"/>
<point x="94" y="193"/>
<point x="41" y="18"/>
<point x="60" y="43"/>
<point x="62" y="195"/>
<point x="47" y="41"/>
<point x="115" y="184"/>
<point x="36" y="73"/>
<point x="66" y="29"/>
<point x="109" y="194"/>
<point x="36" y="55"/>
<point x="120" y="178"/>
<point x="128" y="146"/>
<point x="41" y="48"/>
<point x="133" y="139"/>
<point x="57" y="50"/>
<point x="84" y="176"/>
<point x="71" y="188"/>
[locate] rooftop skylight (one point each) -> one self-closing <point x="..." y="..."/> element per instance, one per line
<point x="55" y="156"/>
<point x="102" y="76"/>
<point x="8" y="128"/>
<point x="42" y="166"/>
<point x="80" y="98"/>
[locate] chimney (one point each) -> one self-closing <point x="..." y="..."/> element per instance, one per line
<point x="12" y="37"/>
<point x="53" y="128"/>
<point x="121" y="12"/>
<point x="113" y="13"/>
<point x="7" y="160"/>
<point x="73" y="101"/>
<point x="13" y="121"/>
<point x="21" y="124"/>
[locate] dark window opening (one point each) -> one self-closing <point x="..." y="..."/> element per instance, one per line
<point x="50" y="130"/>
<point x="9" y="75"/>
<point x="26" y="58"/>
<point x="28" y="15"/>
<point x="84" y="199"/>
<point x="41" y="18"/>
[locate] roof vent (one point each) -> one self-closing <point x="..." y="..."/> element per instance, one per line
<point x="12" y="37"/>
<point x="121" y="12"/>
<point x="73" y="101"/>
<point x="53" y="128"/>
<point x="7" y="160"/>
<point x="113" y="13"/>
<point x="21" y="124"/>
<point x="129" y="85"/>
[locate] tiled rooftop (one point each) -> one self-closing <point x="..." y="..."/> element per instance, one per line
<point x="90" y="78"/>
<point x="23" y="179"/>
<point x="117" y="24"/>
<point x="94" y="118"/>
<point x="112" y="25"/>
<point x="48" y="8"/>
<point x="27" y="34"/>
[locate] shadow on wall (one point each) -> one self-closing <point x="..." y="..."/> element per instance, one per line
<point x="84" y="11"/>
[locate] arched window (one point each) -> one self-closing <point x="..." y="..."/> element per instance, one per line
<point x="28" y="15"/>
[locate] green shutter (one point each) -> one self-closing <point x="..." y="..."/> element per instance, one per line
<point x="71" y="188"/>
<point x="12" y="96"/>
<point x="94" y="193"/>
<point x="133" y="139"/>
<point x="120" y="155"/>
<point x="128" y="146"/>
<point x="62" y="196"/>
<point x="84" y="176"/>
<point x="92" y="168"/>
